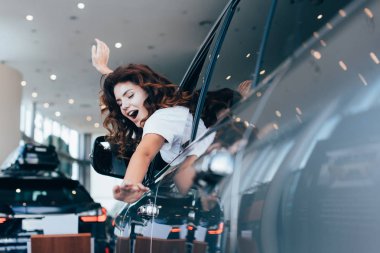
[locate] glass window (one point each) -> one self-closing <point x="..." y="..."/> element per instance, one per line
<point x="38" y="128"/>
<point x="48" y="128"/>
<point x="74" y="143"/>
<point x="22" y="118"/>
<point x="28" y="121"/>
<point x="56" y="128"/>
<point x="49" y="192"/>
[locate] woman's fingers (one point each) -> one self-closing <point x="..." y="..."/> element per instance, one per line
<point x="128" y="191"/>
<point x="142" y="188"/>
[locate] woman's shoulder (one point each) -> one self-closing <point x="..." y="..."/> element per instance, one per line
<point x="176" y="114"/>
<point x="175" y="110"/>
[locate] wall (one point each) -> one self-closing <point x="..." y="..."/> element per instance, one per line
<point x="10" y="102"/>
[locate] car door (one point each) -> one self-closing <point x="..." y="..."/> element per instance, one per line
<point x="291" y="30"/>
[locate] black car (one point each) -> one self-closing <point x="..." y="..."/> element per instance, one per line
<point x="294" y="166"/>
<point x="35" y="198"/>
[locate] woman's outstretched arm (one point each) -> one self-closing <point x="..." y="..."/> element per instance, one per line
<point x="131" y="189"/>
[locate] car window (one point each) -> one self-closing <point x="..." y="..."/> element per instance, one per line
<point x="236" y="58"/>
<point x="240" y="52"/>
<point x="41" y="192"/>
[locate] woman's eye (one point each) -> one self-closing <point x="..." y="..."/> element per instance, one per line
<point x="131" y="96"/>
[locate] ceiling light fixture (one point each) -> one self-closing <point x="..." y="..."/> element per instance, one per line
<point x="228" y="77"/>
<point x="343" y="65"/>
<point x="57" y="114"/>
<point x="374" y="58"/>
<point x="248" y="55"/>
<point x="320" y="16"/>
<point x="71" y="101"/>
<point x="262" y="72"/>
<point x="342" y="13"/>
<point x="29" y="17"/>
<point x="23" y="83"/>
<point x="81" y="6"/>
<point x="118" y="45"/>
<point x="361" y="77"/>
<point x="88" y="118"/>
<point x="96" y="125"/>
<point x="53" y="77"/>
<point x="368" y="12"/>
<point x="34" y="94"/>
<point x="317" y="55"/>
<point x="46" y="105"/>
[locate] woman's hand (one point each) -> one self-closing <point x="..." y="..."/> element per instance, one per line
<point x="129" y="192"/>
<point x="100" y="55"/>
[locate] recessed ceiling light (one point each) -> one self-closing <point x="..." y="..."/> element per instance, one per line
<point x="298" y="110"/>
<point x="34" y="94"/>
<point x="342" y="13"/>
<point x="46" y="105"/>
<point x="361" y="77"/>
<point x="96" y="125"/>
<point x="374" y="58"/>
<point x="23" y="83"/>
<point x="320" y="16"/>
<point x="88" y="118"/>
<point x="71" y="101"/>
<point x="228" y="77"/>
<point x="262" y="72"/>
<point x="343" y="65"/>
<point x="118" y="45"/>
<point x="29" y="17"/>
<point x="368" y="12"/>
<point x="81" y="6"/>
<point x="329" y="26"/>
<point x="57" y="113"/>
<point x="248" y="55"/>
<point x="53" y="77"/>
<point x="317" y="55"/>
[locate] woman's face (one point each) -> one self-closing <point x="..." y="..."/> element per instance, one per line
<point x="130" y="98"/>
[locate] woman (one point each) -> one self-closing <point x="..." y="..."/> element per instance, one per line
<point x="144" y="112"/>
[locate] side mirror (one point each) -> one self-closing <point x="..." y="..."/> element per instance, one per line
<point x="104" y="159"/>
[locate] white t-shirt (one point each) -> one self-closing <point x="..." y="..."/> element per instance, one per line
<point x="174" y="124"/>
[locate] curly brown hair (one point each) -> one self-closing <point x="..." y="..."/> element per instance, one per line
<point x="161" y="94"/>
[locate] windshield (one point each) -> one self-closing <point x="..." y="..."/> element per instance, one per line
<point x="41" y="192"/>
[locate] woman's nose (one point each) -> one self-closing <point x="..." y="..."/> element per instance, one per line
<point x="125" y="104"/>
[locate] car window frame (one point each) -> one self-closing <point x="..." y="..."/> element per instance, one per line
<point x="230" y="11"/>
<point x="192" y="73"/>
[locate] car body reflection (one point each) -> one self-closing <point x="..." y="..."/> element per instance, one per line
<point x="303" y="145"/>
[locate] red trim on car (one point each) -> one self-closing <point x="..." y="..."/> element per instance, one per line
<point x="96" y="218"/>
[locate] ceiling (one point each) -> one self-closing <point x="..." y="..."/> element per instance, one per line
<point x="163" y="34"/>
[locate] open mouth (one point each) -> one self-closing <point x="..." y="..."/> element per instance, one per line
<point x="133" y="114"/>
